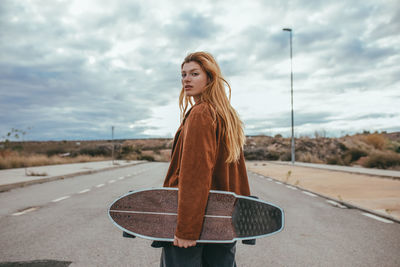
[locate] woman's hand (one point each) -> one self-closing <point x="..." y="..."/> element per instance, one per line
<point x="184" y="243"/>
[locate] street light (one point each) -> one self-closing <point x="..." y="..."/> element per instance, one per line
<point x="112" y="141"/>
<point x="291" y="89"/>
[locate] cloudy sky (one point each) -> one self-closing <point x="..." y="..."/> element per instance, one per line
<point x="72" y="69"/>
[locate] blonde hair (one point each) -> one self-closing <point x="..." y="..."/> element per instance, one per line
<point x="215" y="95"/>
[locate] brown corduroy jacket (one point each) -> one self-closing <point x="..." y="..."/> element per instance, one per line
<point x="198" y="165"/>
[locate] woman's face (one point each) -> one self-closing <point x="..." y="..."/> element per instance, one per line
<point x="194" y="79"/>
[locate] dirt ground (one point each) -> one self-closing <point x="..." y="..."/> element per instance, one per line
<point x="381" y="195"/>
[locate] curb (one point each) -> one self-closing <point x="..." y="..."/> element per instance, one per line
<point x="348" y="205"/>
<point x="8" y="187"/>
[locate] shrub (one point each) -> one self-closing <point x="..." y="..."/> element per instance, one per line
<point x="254" y="154"/>
<point x="261" y="154"/>
<point x="96" y="151"/>
<point x="309" y="157"/>
<point x="346" y="160"/>
<point x="146" y="157"/>
<point x="382" y="160"/>
<point x="394" y="146"/>
<point x="126" y="150"/>
<point x="362" y="161"/>
<point x="342" y="146"/>
<point x="334" y="160"/>
<point x="157" y="150"/>
<point x="55" y="151"/>
<point x="286" y="156"/>
<point x="17" y="147"/>
<point x="355" y="154"/>
<point x="378" y="141"/>
<point x="272" y="155"/>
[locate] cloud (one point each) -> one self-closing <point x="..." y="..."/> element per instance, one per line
<point x="73" y="69"/>
<point x="283" y="120"/>
<point x="189" y="27"/>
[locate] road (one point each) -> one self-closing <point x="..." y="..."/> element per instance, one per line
<point x="66" y="222"/>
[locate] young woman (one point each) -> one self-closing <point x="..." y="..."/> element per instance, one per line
<point x="207" y="154"/>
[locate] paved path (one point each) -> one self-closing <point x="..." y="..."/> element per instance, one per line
<point x="14" y="178"/>
<point x="350" y="169"/>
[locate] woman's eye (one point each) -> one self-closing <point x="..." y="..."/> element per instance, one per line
<point x="183" y="75"/>
<point x="195" y="74"/>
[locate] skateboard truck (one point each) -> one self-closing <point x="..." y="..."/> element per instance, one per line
<point x="125" y="234"/>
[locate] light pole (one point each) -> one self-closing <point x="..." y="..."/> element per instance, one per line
<point x="291" y="89"/>
<point x="112" y="141"/>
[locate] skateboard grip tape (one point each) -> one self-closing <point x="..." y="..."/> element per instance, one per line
<point x="251" y="242"/>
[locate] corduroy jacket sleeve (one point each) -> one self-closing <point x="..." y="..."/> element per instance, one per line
<point x="196" y="168"/>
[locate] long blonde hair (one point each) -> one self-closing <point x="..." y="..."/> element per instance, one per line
<point x="215" y="95"/>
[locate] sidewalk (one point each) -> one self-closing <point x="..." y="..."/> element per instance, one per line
<point x="14" y="178"/>
<point x="370" y="190"/>
<point x="358" y="170"/>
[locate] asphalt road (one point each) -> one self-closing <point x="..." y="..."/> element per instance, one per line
<point x="66" y="222"/>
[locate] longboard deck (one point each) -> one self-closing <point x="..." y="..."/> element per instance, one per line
<point x="152" y="214"/>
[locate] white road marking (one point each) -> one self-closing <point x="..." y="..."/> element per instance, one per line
<point x="334" y="203"/>
<point x="84" y="191"/>
<point x="120" y="178"/>
<point x="291" y="187"/>
<point x="376" y="217"/>
<point x="309" y="194"/>
<point x="111" y="181"/>
<point x="99" y="185"/>
<point x="59" y="199"/>
<point x="25" y="211"/>
<point x="269" y="179"/>
<point x="278" y="182"/>
<point x="165" y="213"/>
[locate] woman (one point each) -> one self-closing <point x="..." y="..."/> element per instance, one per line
<point x="207" y="154"/>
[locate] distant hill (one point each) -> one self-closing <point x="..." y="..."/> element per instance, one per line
<point x="376" y="150"/>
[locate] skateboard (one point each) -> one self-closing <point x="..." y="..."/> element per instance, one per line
<point x="152" y="214"/>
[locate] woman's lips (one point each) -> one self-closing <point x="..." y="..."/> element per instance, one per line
<point x="188" y="86"/>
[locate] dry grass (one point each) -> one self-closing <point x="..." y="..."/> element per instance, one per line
<point x="34" y="153"/>
<point x="309" y="157"/>
<point x="378" y="141"/>
<point x="12" y="159"/>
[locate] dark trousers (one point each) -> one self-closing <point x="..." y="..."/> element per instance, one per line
<point x="202" y="255"/>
